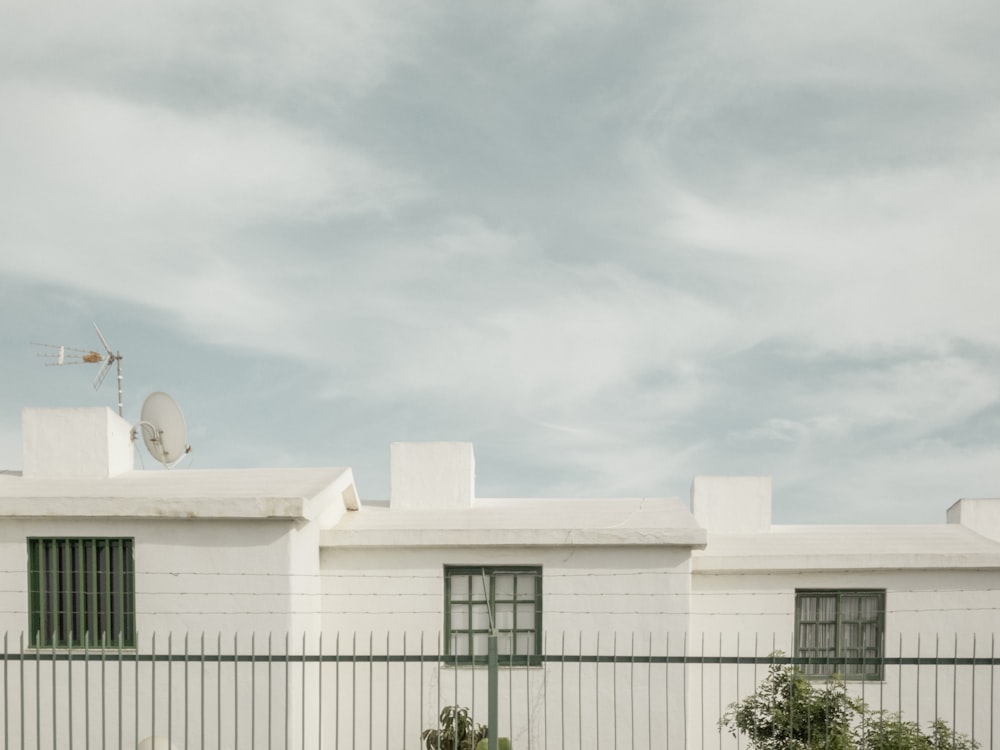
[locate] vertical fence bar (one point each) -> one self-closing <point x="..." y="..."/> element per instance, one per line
<point x="510" y="689"/>
<point x="701" y="691"/>
<point x="405" y="676"/>
<point x="439" y="665"/>
<point x="253" y="691"/>
<point x="993" y="703"/>
<point x="738" y="654"/>
<point x="104" y="691"/>
<point x="170" y="688"/>
<point x="720" y="686"/>
<point x="527" y="693"/>
<point x="152" y="689"/>
<point x="319" y="691"/>
<point x="899" y="676"/>
<point x="684" y="688"/>
<point x="236" y="691"/>
<point x="288" y="688"/>
<point x="421" y="721"/>
<point x="336" y="695"/>
<point x="20" y="659"/>
<point x="69" y="685"/>
<point x="631" y="694"/>
<point x="201" y="694"/>
<point x="354" y="691"/>
<point x="6" y="698"/>
<point x="218" y="691"/>
<point x="55" y="728"/>
<point x="186" y="695"/>
<point x="649" y="693"/>
<point x="270" y="689"/>
<point x="492" y="688"/>
<point x="371" y="686"/>
<point x="579" y="690"/>
<point x="38" y="695"/>
<point x="791" y="696"/>
<point x="121" y="705"/>
<point x="954" y="692"/>
<point x="597" y="694"/>
<point x="135" y="689"/>
<point x="937" y="655"/>
<point x="562" y="694"/>
<point x="972" y="718"/>
<point x="545" y="691"/>
<point x="388" y="645"/>
<point x="303" y="694"/>
<point x="614" y="689"/>
<point x="919" y="670"/>
<point x="666" y="688"/>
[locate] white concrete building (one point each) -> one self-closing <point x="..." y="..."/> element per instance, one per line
<point x="88" y="543"/>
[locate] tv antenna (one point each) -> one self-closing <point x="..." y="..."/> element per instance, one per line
<point x="67" y="355"/>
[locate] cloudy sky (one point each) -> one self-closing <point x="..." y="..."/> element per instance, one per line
<point x="614" y="244"/>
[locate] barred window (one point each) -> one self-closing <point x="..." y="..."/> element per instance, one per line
<point x="841" y="624"/>
<point x="513" y="595"/>
<point x="81" y="592"/>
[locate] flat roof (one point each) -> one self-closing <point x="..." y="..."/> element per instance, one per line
<point x="522" y="522"/>
<point x="841" y="547"/>
<point x="292" y="494"/>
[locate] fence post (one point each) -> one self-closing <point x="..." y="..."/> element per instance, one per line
<point x="492" y="684"/>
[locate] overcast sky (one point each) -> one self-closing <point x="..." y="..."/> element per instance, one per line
<point x="614" y="244"/>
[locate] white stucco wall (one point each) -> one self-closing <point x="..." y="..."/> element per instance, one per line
<point x="928" y="613"/>
<point x="623" y="596"/>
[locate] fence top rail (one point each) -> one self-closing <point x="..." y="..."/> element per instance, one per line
<point x="199" y="657"/>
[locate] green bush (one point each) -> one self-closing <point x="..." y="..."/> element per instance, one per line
<point x="788" y="712"/>
<point x="457" y="731"/>
<point x="503" y="743"/>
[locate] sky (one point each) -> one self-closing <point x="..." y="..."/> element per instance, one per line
<point x="613" y="244"/>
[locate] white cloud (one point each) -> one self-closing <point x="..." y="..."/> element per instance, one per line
<point x="147" y="204"/>
<point x="321" y="48"/>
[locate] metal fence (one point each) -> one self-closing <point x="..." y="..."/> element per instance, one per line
<point x="380" y="691"/>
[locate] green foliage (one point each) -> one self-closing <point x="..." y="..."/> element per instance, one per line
<point x="503" y="743"/>
<point x="457" y="731"/>
<point x="788" y="712"/>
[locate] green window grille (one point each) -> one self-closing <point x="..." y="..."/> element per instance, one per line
<point x="81" y="592"/>
<point x="841" y="624"/>
<point x="512" y="595"/>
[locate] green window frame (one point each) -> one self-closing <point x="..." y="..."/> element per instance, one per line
<point x="841" y="623"/>
<point x="512" y="593"/>
<point x="81" y="592"/>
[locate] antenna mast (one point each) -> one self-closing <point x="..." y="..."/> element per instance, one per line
<point x="67" y="355"/>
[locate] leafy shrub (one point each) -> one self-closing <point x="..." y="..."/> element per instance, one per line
<point x="456" y="731"/>
<point x="788" y="712"/>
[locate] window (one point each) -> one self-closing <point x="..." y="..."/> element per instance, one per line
<point x="841" y="624"/>
<point x="514" y="597"/>
<point x="81" y="593"/>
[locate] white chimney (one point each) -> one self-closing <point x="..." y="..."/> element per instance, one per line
<point x="732" y="505"/>
<point x="431" y="475"/>
<point x="92" y="442"/>
<point x="982" y="515"/>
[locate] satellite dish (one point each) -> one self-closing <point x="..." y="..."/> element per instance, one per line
<point x="163" y="429"/>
